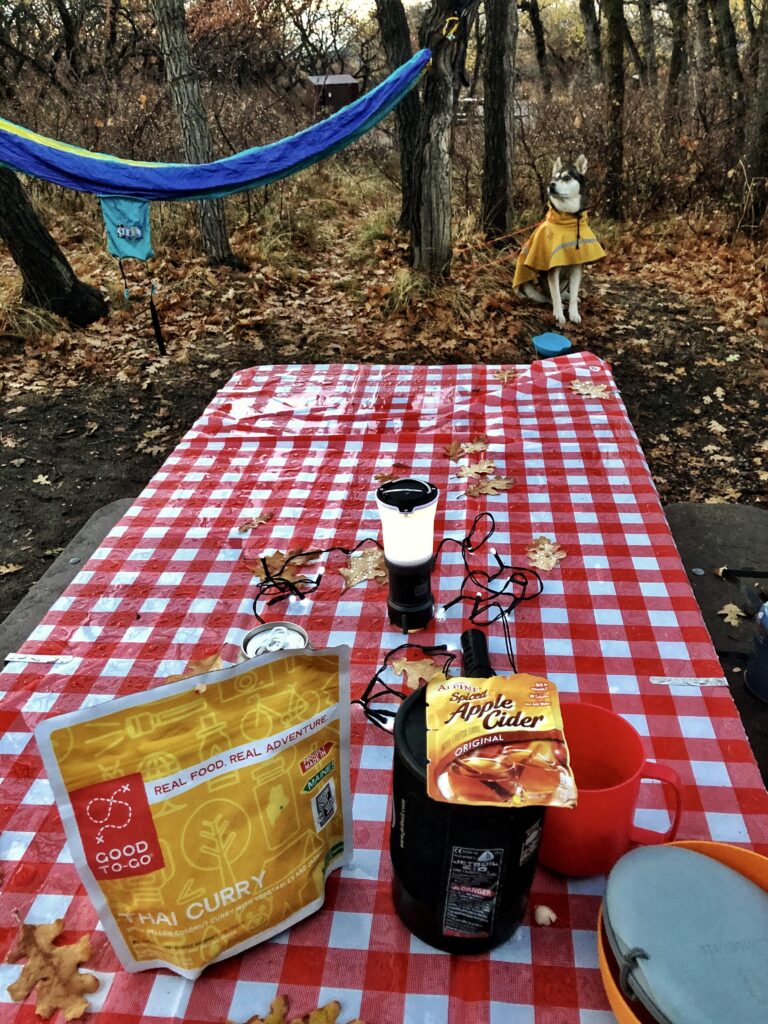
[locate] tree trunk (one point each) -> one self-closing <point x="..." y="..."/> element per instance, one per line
<point x="49" y="281"/>
<point x="184" y="81"/>
<point x="431" y="226"/>
<point x="726" y="35"/>
<point x="592" y="37"/>
<point x="704" y="58"/>
<point x="757" y="139"/>
<point x="749" y="17"/>
<point x="649" y="40"/>
<point x="678" y="61"/>
<point x="637" y="59"/>
<point x="396" y="37"/>
<point x="614" y="15"/>
<point x="499" y="116"/>
<point x="539" y="44"/>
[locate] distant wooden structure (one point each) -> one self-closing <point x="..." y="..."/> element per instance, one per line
<point x="334" y="91"/>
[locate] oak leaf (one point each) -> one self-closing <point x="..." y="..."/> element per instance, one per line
<point x="477" y="444"/>
<point x="454" y="451"/>
<point x="493" y="485"/>
<point x="279" y="566"/>
<point x="505" y="375"/>
<point x="482" y="468"/>
<point x="10" y="567"/>
<point x="42" y="480"/>
<point x="544" y="553"/>
<point x="732" y="614"/>
<point x="391" y="473"/>
<point x="278" y="1014"/>
<point x="258" y="520"/>
<point x="589" y="389"/>
<point x="367" y="566"/>
<point x="52" y="970"/>
<point x="415" y="671"/>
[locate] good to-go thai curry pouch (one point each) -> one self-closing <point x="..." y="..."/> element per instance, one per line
<point x="205" y="818"/>
<point x="497" y="741"/>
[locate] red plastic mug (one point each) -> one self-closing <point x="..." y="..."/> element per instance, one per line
<point x="608" y="764"/>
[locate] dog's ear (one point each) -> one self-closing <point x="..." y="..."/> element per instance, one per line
<point x="557" y="167"/>
<point x="581" y="164"/>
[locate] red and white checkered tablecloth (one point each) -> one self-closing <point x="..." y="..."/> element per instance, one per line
<point x="169" y="584"/>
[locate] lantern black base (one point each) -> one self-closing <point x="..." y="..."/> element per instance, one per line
<point x="410" y="603"/>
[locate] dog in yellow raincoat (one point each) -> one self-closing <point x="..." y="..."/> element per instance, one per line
<point x="563" y="239"/>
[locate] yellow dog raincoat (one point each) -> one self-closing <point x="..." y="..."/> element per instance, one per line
<point x="561" y="240"/>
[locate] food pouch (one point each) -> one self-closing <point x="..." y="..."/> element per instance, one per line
<point x="204" y="819"/>
<point x="497" y="741"/>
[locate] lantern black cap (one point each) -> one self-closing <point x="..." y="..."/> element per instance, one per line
<point x="407" y="495"/>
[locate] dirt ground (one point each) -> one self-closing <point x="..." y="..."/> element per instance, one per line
<point x="88" y="417"/>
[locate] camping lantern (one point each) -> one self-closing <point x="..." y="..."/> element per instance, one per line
<point x="407" y="509"/>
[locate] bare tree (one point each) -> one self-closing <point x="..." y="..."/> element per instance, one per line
<point x="614" y="183"/>
<point x="188" y="103"/>
<point x="499" y="116"/>
<point x="592" y="37"/>
<point x="396" y="36"/>
<point x="49" y="280"/>
<point x="729" y="56"/>
<point x="531" y="7"/>
<point x="648" y="34"/>
<point x="757" y="137"/>
<point x="678" y="61"/>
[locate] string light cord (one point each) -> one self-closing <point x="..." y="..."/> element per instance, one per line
<point x="275" y="587"/>
<point x="384" y="718"/>
<point x="491" y="603"/>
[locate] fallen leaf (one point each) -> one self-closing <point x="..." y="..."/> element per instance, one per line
<point x="477" y="444"/>
<point x="278" y="1014"/>
<point x="367" y="566"/>
<point x="18" y="462"/>
<point x="505" y="375"/>
<point x="42" y="480"/>
<point x="732" y="614"/>
<point x="8" y="442"/>
<point x="251" y="524"/>
<point x="279" y="566"/>
<point x="10" y="567"/>
<point x="198" y="668"/>
<point x="717" y="428"/>
<point x="52" y="970"/>
<point x="391" y="473"/>
<point x="483" y="468"/>
<point x="494" y="485"/>
<point x="454" y="451"/>
<point x="590" y="390"/>
<point x="415" y="671"/>
<point x="544" y="553"/>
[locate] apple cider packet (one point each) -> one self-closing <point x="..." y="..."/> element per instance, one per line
<point x="204" y="815"/>
<point x="498" y="742"/>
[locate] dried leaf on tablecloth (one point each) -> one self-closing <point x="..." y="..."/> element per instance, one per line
<point x="198" y="668"/>
<point x="278" y="1014"/>
<point x="477" y="444"/>
<point x="544" y="553"/>
<point x="589" y="389"/>
<point x="482" y="468"/>
<point x="495" y="485"/>
<point x="454" y="451"/>
<point x="416" y="671"/>
<point x="505" y="375"/>
<point x="732" y="614"/>
<point x="367" y="566"/>
<point x="10" y="567"/>
<point x="258" y="520"/>
<point x="277" y="567"/>
<point x="52" y="970"/>
<point x="392" y="473"/>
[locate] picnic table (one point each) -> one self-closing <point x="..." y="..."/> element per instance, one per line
<point x="616" y="624"/>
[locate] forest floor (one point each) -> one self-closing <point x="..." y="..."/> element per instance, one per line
<point x="88" y="416"/>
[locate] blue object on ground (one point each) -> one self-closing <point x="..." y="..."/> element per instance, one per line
<point x="551" y="344"/>
<point x="756" y="672"/>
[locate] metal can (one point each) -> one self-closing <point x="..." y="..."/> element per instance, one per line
<point x="271" y="637"/>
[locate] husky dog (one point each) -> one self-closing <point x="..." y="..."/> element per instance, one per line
<point x="563" y="239"/>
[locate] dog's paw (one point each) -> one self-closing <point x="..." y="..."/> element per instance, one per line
<point x="560" y="318"/>
<point x="574" y="318"/>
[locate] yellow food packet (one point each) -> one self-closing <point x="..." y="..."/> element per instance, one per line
<point x="497" y="741"/>
<point x="205" y="819"/>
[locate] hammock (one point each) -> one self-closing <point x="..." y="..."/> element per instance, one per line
<point x="104" y="175"/>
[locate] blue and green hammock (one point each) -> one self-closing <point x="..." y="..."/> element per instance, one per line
<point x="125" y="187"/>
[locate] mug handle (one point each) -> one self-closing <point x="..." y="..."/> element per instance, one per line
<point x="652" y="770"/>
